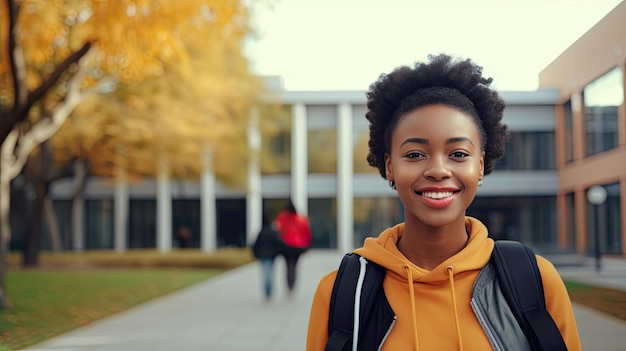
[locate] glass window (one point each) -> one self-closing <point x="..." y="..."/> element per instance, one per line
<point x="322" y="149"/>
<point x="186" y="213"/>
<point x="602" y="98"/>
<point x="323" y="220"/>
<point x="361" y="137"/>
<point x="607" y="223"/>
<point x="360" y="151"/>
<point x="276" y="139"/>
<point x="99" y="226"/>
<point x="569" y="136"/>
<point x="142" y="221"/>
<point x="529" y="151"/>
<point x="613" y="220"/>
<point x="373" y="215"/>
<point x="321" y="123"/>
<point x="530" y="220"/>
<point x="231" y="222"/>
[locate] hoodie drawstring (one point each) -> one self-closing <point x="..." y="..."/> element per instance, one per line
<point x="450" y="271"/>
<point x="413" y="314"/>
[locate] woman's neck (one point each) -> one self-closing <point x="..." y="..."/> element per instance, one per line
<point x="427" y="246"/>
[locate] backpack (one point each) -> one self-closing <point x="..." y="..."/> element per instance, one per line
<point x="520" y="283"/>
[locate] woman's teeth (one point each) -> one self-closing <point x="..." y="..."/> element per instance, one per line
<point x="436" y="195"/>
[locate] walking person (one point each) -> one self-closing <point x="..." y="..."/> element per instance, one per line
<point x="266" y="247"/>
<point x="295" y="233"/>
<point x="435" y="132"/>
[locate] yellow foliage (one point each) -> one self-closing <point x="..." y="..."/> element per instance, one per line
<point x="133" y="38"/>
<point x="181" y="81"/>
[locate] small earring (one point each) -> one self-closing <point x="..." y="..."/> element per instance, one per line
<point x="480" y="183"/>
<point x="392" y="184"/>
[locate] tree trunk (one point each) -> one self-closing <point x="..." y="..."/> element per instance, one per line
<point x="5" y="237"/>
<point x="52" y="225"/>
<point x="32" y="241"/>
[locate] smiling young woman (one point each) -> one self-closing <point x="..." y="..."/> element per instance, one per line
<point x="435" y="132"/>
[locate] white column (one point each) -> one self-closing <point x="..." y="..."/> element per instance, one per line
<point x="208" y="231"/>
<point x="254" y="198"/>
<point x="345" y="216"/>
<point x="120" y="203"/>
<point x="164" y="208"/>
<point x="299" y="157"/>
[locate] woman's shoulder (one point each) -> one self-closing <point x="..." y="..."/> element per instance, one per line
<point x="550" y="277"/>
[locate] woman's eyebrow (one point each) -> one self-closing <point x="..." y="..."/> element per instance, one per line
<point x="415" y="140"/>
<point x="426" y="142"/>
<point x="459" y="139"/>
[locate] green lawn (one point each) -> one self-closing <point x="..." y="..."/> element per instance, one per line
<point x="74" y="289"/>
<point x="47" y="303"/>
<point x="609" y="301"/>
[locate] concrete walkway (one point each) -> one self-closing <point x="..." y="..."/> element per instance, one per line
<point x="227" y="313"/>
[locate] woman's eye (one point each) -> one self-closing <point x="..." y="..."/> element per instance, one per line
<point x="414" y="155"/>
<point x="459" y="154"/>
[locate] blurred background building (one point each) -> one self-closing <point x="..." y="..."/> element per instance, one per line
<point x="566" y="136"/>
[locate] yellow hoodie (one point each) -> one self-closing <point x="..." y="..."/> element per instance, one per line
<point x="434" y="312"/>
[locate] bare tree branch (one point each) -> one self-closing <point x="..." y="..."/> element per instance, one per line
<point x="45" y="128"/>
<point x="19" y="111"/>
<point x="18" y="71"/>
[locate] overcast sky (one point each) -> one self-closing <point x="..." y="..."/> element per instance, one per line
<point x="346" y="44"/>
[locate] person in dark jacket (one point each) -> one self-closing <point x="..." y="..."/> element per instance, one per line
<point x="266" y="247"/>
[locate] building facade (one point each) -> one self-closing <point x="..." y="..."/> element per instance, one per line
<point x="565" y="137"/>
<point x="321" y="157"/>
<point x="591" y="136"/>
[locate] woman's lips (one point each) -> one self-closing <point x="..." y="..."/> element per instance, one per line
<point x="437" y="199"/>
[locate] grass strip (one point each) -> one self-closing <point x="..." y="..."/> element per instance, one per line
<point x="46" y="303"/>
<point x="610" y="301"/>
<point x="187" y="258"/>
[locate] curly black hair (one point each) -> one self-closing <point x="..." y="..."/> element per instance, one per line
<point x="458" y="84"/>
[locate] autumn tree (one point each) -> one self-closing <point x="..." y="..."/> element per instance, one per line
<point x="59" y="53"/>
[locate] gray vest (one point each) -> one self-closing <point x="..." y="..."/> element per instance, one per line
<point x="494" y="314"/>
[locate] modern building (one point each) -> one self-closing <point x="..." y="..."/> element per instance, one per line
<point x="591" y="136"/>
<point x="565" y="137"/>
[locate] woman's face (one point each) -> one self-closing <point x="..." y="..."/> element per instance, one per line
<point x="436" y="161"/>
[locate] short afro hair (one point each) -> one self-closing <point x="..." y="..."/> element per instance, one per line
<point x="458" y="84"/>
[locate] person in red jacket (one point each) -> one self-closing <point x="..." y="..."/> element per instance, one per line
<point x="295" y="232"/>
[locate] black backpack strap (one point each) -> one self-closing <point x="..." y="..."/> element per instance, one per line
<point x="520" y="282"/>
<point x="341" y="313"/>
<point x="340" y="319"/>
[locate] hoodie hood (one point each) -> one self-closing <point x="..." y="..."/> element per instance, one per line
<point x="384" y="251"/>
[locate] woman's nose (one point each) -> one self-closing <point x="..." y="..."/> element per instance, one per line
<point x="437" y="169"/>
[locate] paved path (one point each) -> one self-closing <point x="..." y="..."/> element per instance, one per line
<point x="227" y="314"/>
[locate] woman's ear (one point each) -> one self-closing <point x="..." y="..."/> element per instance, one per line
<point x="388" y="169"/>
<point x="482" y="165"/>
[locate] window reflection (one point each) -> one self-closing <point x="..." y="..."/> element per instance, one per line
<point x="530" y="220"/>
<point x="602" y="98"/>
<point x="276" y="139"/>
<point x="322" y="147"/>
<point x="360" y="151"/>
<point x="323" y="220"/>
<point x="373" y="215"/>
<point x="529" y="151"/>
